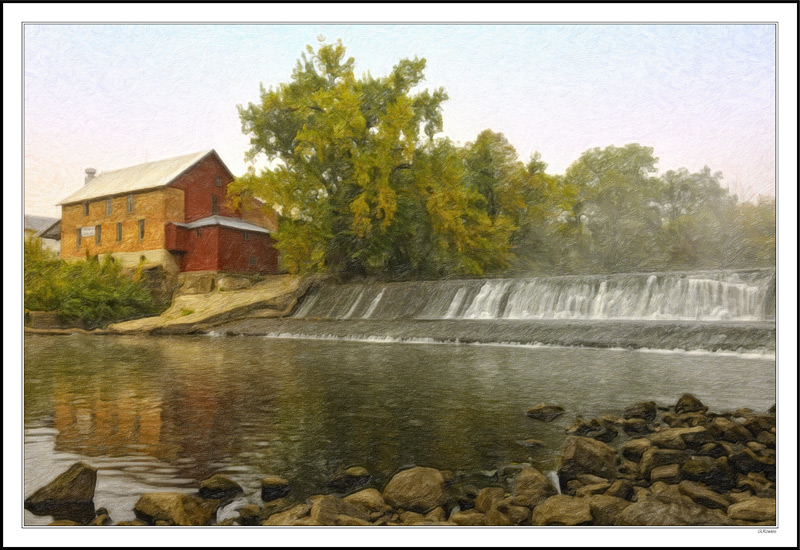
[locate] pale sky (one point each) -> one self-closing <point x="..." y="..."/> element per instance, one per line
<point x="110" y="96"/>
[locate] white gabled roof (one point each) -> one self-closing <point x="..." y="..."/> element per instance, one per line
<point x="136" y="178"/>
<point x="226" y="222"/>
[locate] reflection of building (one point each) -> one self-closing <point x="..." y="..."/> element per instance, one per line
<point x="171" y="212"/>
<point x="47" y="229"/>
<point x="108" y="428"/>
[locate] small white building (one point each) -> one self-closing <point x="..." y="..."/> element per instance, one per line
<point x="47" y="229"/>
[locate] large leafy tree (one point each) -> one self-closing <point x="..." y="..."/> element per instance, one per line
<point x="345" y="176"/>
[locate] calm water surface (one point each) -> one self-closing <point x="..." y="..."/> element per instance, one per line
<point x="160" y="413"/>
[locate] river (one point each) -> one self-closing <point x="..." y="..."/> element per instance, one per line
<point x="162" y="413"/>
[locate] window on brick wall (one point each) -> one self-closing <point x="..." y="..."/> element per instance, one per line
<point x="79" y="239"/>
<point x="97" y="238"/>
<point x="253" y="261"/>
<point x="130" y="203"/>
<point x="214" y="205"/>
<point x="219" y="181"/>
<point x="119" y="232"/>
<point x="247" y="235"/>
<point x="108" y="207"/>
<point x="141" y="229"/>
<point x="198" y="232"/>
<point x="86" y="209"/>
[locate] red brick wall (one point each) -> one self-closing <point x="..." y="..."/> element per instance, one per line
<point x="235" y="252"/>
<point x="199" y="185"/>
<point x="201" y="252"/>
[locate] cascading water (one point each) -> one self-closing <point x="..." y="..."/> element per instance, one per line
<point x="678" y="296"/>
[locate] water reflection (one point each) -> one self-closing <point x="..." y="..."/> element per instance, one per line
<point x="168" y="412"/>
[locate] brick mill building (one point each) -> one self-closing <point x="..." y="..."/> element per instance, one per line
<point x="171" y="212"/>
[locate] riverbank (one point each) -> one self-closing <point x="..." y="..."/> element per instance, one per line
<point x="651" y="465"/>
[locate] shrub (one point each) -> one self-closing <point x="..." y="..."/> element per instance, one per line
<point x="90" y="293"/>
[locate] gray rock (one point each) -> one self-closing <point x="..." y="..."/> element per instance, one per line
<point x="69" y="496"/>
<point x="562" y="510"/>
<point x="582" y="455"/>
<point x="545" y="412"/>
<point x="418" y="489"/>
<point x="727" y="430"/>
<point x="228" y="282"/>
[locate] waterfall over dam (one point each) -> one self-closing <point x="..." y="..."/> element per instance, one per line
<point x="730" y="296"/>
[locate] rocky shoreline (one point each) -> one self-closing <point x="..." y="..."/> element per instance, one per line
<point x="677" y="465"/>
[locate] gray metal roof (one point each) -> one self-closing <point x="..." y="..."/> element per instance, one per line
<point x="38" y="223"/>
<point x="52" y="231"/>
<point x="136" y="178"/>
<point x="225" y="222"/>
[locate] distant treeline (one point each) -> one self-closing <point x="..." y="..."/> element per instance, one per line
<point x="364" y="188"/>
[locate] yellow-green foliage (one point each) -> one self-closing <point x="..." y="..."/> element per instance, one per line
<point x="364" y="186"/>
<point x="90" y="293"/>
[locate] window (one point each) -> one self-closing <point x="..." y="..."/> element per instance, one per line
<point x="108" y="207"/>
<point x="214" y="206"/>
<point x="86" y="209"/>
<point x="130" y="203"/>
<point x="97" y="238"/>
<point x="219" y="181"/>
<point x="247" y="235"/>
<point x="119" y="232"/>
<point x="198" y="232"/>
<point x="253" y="261"/>
<point x="79" y="238"/>
<point x="141" y="229"/>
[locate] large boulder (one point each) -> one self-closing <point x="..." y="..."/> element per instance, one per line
<point x="530" y="488"/>
<point x="288" y="517"/>
<point x="487" y="497"/>
<point x="715" y="473"/>
<point x="326" y="508"/>
<point x="667" y="508"/>
<point x="605" y="508"/>
<point x="646" y="410"/>
<point x="681" y="438"/>
<point x="273" y="487"/>
<point x="349" y="480"/>
<point x="655" y="457"/>
<point x="467" y="517"/>
<point x="744" y="460"/>
<point x="418" y="489"/>
<point x="562" y="510"/>
<point x="727" y="430"/>
<point x="68" y="497"/>
<point x="703" y="496"/>
<point x="688" y="403"/>
<point x="754" y="509"/>
<point x="545" y="412"/>
<point x="220" y="487"/>
<point x="635" y="448"/>
<point x="175" y="509"/>
<point x="369" y="500"/>
<point x="583" y="455"/>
